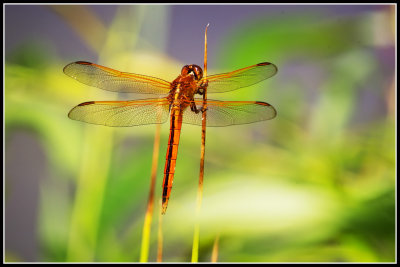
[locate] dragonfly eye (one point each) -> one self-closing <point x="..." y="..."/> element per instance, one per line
<point x="185" y="70"/>
<point x="194" y="70"/>
<point x="198" y="72"/>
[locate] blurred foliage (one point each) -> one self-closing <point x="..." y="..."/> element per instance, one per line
<point x="316" y="184"/>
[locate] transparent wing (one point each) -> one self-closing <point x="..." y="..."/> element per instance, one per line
<point x="122" y="113"/>
<point x="230" y="81"/>
<point x="225" y="113"/>
<point x="116" y="81"/>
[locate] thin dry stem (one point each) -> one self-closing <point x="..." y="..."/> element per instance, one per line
<point x="195" y="247"/>
<point x="144" y="252"/>
<point x="160" y="238"/>
<point x="214" y="255"/>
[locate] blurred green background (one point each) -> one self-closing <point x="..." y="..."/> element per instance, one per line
<point x="315" y="184"/>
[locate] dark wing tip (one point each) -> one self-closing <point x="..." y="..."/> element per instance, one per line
<point x="80" y="105"/>
<point x="259" y="103"/>
<point x="264" y="64"/>
<point x="267" y="105"/>
<point x="268" y="63"/>
<point x="76" y="62"/>
<point x="86" y="103"/>
<point x="83" y="62"/>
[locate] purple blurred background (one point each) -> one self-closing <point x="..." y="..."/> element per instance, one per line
<point x="39" y="22"/>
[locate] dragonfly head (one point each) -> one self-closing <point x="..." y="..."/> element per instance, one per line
<point x="193" y="70"/>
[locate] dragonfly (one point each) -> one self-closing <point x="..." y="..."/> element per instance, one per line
<point x="176" y="100"/>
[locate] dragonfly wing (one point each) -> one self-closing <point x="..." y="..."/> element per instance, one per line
<point x="230" y="81"/>
<point x="225" y="113"/>
<point x="116" y="81"/>
<point x="122" y="113"/>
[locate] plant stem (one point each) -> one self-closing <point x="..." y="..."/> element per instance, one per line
<point x="214" y="254"/>
<point x="144" y="251"/>
<point x="195" y="247"/>
<point x="160" y="238"/>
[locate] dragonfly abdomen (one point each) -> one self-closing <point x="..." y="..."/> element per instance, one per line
<point x="172" y="153"/>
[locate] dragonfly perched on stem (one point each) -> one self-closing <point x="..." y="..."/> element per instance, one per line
<point x="178" y="102"/>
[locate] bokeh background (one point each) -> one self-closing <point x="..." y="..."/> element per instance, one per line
<point x="315" y="184"/>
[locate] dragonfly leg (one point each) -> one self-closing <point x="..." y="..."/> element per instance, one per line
<point x="195" y="109"/>
<point x="202" y="87"/>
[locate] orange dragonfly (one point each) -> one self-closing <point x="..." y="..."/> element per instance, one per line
<point x="178" y="102"/>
